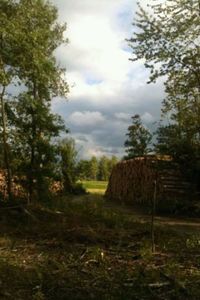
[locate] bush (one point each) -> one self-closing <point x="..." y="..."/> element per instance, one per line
<point x="78" y="189"/>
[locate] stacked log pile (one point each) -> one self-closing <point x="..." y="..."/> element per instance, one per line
<point x="17" y="188"/>
<point x="2" y="184"/>
<point x="172" y="183"/>
<point x="132" y="181"/>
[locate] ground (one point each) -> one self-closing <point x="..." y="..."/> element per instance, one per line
<point x="88" y="248"/>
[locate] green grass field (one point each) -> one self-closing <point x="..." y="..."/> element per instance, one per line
<point x="95" y="187"/>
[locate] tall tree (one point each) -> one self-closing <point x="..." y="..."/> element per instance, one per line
<point x="68" y="154"/>
<point x="112" y="162"/>
<point x="103" y="168"/>
<point x="168" y="40"/>
<point x="93" y="168"/>
<point x="83" y="169"/>
<point x="43" y="80"/>
<point x="138" y="140"/>
<point x="47" y="126"/>
<point x="8" y="55"/>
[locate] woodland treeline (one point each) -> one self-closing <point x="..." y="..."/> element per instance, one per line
<point x="96" y="169"/>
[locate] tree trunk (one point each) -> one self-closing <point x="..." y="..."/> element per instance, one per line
<point x="32" y="158"/>
<point x="5" y="148"/>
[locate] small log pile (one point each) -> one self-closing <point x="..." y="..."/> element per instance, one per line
<point x="132" y="181"/>
<point x="17" y="188"/>
<point x="2" y="184"/>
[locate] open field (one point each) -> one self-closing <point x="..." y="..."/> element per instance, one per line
<point x="95" y="187"/>
<point x="83" y="248"/>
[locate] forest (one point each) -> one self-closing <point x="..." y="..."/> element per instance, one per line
<point x="99" y="226"/>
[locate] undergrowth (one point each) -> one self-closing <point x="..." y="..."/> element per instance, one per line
<point x="79" y="249"/>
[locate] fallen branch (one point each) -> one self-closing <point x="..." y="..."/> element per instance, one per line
<point x="158" y="285"/>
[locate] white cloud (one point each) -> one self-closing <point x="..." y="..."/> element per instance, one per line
<point x="147" y="118"/>
<point x="107" y="88"/>
<point x="86" y="118"/>
<point x="123" y="116"/>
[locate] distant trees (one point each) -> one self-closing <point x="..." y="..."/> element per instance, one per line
<point x="139" y="138"/>
<point x="104" y="170"/>
<point x="168" y="41"/>
<point x="94" y="165"/>
<point x="96" y="169"/>
<point x="83" y="169"/>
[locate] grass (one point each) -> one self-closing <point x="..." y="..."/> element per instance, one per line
<point x="81" y="249"/>
<point x="95" y="187"/>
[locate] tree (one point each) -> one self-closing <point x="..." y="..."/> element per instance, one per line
<point x="39" y="36"/>
<point x="168" y="40"/>
<point x="8" y="55"/>
<point x="138" y="140"/>
<point x="103" y="168"/>
<point x="171" y="140"/>
<point x="68" y="155"/>
<point x="112" y="162"/>
<point x="93" y="168"/>
<point x="83" y="169"/>
<point x="47" y="126"/>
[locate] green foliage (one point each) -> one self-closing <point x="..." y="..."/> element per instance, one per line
<point x="83" y="169"/>
<point x="138" y="140"/>
<point x="168" y="40"/>
<point x="173" y="141"/>
<point x="7" y="75"/>
<point x="104" y="171"/>
<point x="68" y="155"/>
<point x="93" y="168"/>
<point x="29" y="39"/>
<point x="96" y="169"/>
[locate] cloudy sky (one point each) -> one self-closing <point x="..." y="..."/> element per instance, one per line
<point x="106" y="89"/>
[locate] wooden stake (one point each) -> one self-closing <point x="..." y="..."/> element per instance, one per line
<point x="153" y="209"/>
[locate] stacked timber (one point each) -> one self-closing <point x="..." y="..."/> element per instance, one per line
<point x="2" y="184"/>
<point x="133" y="181"/>
<point x="172" y="183"/>
<point x="17" y="188"/>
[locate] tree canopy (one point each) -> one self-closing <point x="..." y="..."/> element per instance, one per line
<point x="138" y="140"/>
<point x="28" y="39"/>
<point x="167" y="37"/>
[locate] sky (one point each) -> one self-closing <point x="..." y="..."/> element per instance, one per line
<point x="106" y="88"/>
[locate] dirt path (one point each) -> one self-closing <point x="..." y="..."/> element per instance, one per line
<point x="181" y="223"/>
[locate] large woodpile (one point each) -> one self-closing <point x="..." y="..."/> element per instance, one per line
<point x="133" y="181"/>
